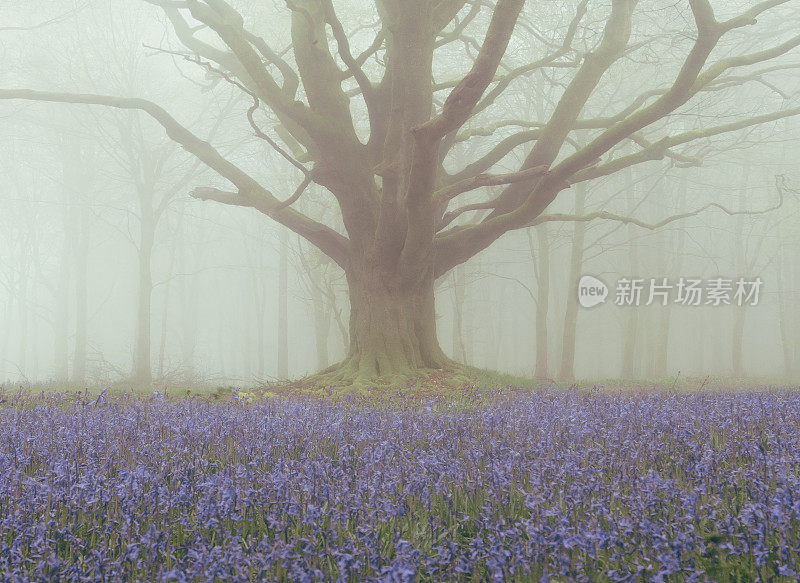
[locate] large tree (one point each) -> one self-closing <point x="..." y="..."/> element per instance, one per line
<point x="369" y="125"/>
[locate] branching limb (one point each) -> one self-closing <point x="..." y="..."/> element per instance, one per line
<point x="460" y="25"/>
<point x="353" y="68"/>
<point x="251" y="192"/>
<point x="246" y="199"/>
<point x="450" y="192"/>
<point x="497" y="153"/>
<point x="451" y="216"/>
<point x="460" y="103"/>
<point x="616" y="34"/>
<point x="659" y="149"/>
<point x="780" y="185"/>
<point x="547" y="61"/>
<point x="227" y="23"/>
<point x="44" y="23"/>
<point x="293" y="114"/>
<point x="377" y="43"/>
<point x="250" y="112"/>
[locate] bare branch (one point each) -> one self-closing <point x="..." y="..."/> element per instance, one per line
<point x="605" y="215"/>
<point x="353" y="67"/>
<point x="450" y="192"/>
<point x="54" y="20"/>
<point x="458" y="29"/>
<point x="658" y="150"/>
<point x="461" y="101"/>
<point x="328" y="240"/>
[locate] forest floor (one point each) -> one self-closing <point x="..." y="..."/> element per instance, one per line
<point x="469" y="384"/>
<point x="675" y="481"/>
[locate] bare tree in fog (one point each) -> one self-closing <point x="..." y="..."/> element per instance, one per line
<point x="388" y="166"/>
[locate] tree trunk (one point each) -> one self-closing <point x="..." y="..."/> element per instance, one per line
<point x="392" y="326"/>
<point x="322" y="317"/>
<point x="61" y="323"/>
<point x="189" y="291"/>
<point x="4" y="344"/>
<point x="141" y="361"/>
<point x="741" y="266"/>
<point x="542" y="272"/>
<point x="783" y="312"/>
<point x="162" y="344"/>
<point x="81" y="257"/>
<point x="459" y="284"/>
<point x="569" y="336"/>
<point x="679" y="243"/>
<point x="283" y="305"/>
<point x="162" y="340"/>
<point x="22" y="306"/>
<point x="738" y="335"/>
<point x="628" y="369"/>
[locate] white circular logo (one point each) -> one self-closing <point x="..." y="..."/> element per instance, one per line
<point x="591" y="291"/>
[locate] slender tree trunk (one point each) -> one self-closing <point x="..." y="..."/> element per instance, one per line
<point x="459" y="288"/>
<point x="189" y="295"/>
<point x="628" y="369"/>
<point x="162" y="344"/>
<point x="256" y="304"/>
<point x="9" y="308"/>
<point x="700" y="353"/>
<point x="468" y="327"/>
<point x="61" y="323"/>
<point x="569" y="334"/>
<point x="22" y="306"/>
<point x="222" y="330"/>
<point x="141" y="361"/>
<point x="495" y="330"/>
<point x="335" y="313"/>
<point x="322" y="317"/>
<point x="783" y="312"/>
<point x="81" y="263"/>
<point x="740" y="312"/>
<point x="541" y="262"/>
<point x="79" y="176"/>
<point x="162" y="340"/>
<point x="283" y="305"/>
<point x="34" y="320"/>
<point x="662" y="344"/>
<point x="738" y="334"/>
<point x="662" y="354"/>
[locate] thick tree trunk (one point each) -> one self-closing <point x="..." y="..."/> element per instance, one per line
<point x="392" y="327"/>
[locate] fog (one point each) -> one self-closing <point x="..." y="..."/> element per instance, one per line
<point x="119" y="263"/>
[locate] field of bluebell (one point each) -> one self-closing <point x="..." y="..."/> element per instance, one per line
<point x="554" y="485"/>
